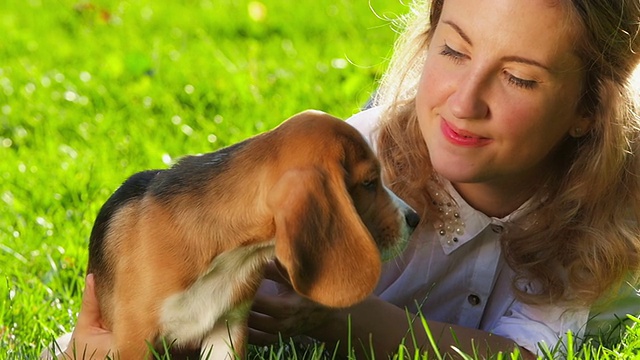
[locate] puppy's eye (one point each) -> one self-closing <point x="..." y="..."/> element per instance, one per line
<point x="370" y="184"/>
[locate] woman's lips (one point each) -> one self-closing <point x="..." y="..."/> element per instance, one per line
<point x="461" y="137"/>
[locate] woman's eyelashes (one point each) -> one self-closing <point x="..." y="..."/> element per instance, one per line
<point x="518" y="82"/>
<point x="457" y="57"/>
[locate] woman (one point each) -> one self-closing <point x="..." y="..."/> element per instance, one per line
<point x="512" y="126"/>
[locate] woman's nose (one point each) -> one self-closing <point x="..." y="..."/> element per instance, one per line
<point x="468" y="99"/>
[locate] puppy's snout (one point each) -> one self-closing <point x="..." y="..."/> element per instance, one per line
<point x="411" y="218"/>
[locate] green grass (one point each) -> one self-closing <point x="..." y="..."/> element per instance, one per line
<point x="91" y="92"/>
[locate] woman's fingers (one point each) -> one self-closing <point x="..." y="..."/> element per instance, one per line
<point x="259" y="338"/>
<point x="261" y="329"/>
<point x="276" y="272"/>
<point x="274" y="309"/>
<point x="89" y="335"/>
<point x="278" y="312"/>
<point x="277" y="306"/>
<point x="90" y="317"/>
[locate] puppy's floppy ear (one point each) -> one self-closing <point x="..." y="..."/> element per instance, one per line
<point x="320" y="239"/>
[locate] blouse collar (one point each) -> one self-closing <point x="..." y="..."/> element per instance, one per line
<point x="475" y="221"/>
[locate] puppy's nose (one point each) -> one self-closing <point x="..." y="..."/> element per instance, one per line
<point x="412" y="218"/>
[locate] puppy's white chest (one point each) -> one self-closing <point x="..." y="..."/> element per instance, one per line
<point x="190" y="316"/>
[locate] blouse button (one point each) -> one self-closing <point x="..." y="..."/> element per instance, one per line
<point x="473" y="299"/>
<point x="497" y="229"/>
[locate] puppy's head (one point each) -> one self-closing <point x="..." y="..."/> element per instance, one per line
<point x="333" y="216"/>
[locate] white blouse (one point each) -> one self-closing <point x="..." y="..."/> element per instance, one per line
<point x="466" y="281"/>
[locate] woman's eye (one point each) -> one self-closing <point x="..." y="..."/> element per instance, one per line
<point x="521" y="83"/>
<point x="456" y="56"/>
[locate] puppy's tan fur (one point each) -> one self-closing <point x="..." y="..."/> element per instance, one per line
<point x="177" y="254"/>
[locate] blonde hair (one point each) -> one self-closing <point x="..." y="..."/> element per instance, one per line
<point x="588" y="220"/>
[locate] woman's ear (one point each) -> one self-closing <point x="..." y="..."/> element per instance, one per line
<point x="581" y="127"/>
<point x="320" y="239"/>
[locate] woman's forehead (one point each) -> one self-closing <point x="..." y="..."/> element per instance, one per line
<point x="517" y="28"/>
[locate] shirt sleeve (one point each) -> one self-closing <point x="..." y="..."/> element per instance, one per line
<point x="534" y="326"/>
<point x="366" y="123"/>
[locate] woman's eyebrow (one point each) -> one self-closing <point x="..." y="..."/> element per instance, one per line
<point x="526" y="61"/>
<point x="457" y="28"/>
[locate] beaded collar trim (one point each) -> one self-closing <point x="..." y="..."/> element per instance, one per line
<point x="450" y="225"/>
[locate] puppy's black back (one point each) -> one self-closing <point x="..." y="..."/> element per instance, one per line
<point x="133" y="188"/>
<point x="189" y="175"/>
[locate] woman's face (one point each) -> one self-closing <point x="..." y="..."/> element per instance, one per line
<point x="499" y="91"/>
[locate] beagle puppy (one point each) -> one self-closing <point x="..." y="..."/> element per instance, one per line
<point x="178" y="254"/>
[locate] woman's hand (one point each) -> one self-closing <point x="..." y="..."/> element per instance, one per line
<point x="89" y="340"/>
<point x="279" y="312"/>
